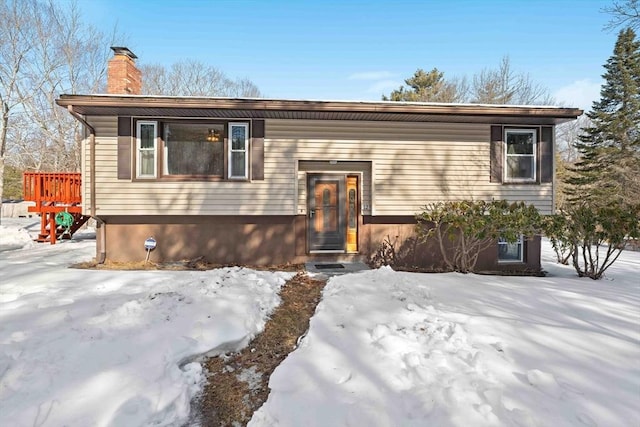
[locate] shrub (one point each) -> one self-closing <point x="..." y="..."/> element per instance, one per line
<point x="386" y="254"/>
<point x="399" y="253"/>
<point x="463" y="229"/>
<point x="594" y="235"/>
<point x="555" y="228"/>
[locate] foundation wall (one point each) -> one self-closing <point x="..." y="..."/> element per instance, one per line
<point x="273" y="240"/>
<point x="412" y="254"/>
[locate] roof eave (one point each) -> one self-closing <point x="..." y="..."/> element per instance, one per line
<point x="95" y="103"/>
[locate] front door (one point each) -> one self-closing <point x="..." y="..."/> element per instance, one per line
<point x="327" y="225"/>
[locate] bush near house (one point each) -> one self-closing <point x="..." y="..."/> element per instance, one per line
<point x="463" y="229"/>
<point x="588" y="235"/>
<point x="592" y="235"/>
<point x="555" y="227"/>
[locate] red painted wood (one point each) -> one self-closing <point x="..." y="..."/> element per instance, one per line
<point x="53" y="192"/>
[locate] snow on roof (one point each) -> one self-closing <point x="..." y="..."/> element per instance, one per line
<point x="341" y="101"/>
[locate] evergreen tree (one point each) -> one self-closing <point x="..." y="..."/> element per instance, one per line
<point x="602" y="212"/>
<point x="501" y="85"/>
<point x="609" y="165"/>
<point x="428" y="86"/>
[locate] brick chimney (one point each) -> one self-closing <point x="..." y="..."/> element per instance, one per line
<point x="123" y="77"/>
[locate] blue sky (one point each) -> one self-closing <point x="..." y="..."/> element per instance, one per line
<point x="357" y="50"/>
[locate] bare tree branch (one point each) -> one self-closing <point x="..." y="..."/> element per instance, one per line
<point x="623" y="14"/>
<point x="45" y="50"/>
<point x="567" y="134"/>
<point x="505" y="86"/>
<point x="193" y="78"/>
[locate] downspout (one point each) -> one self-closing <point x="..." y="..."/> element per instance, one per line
<point x="554" y="182"/>
<point x="101" y="253"/>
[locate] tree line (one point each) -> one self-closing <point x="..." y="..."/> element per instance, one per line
<point x="501" y="85"/>
<point x="47" y="49"/>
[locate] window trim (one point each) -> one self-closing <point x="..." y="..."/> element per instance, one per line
<point x="139" y="149"/>
<point x="159" y="146"/>
<point x="505" y="175"/>
<point x="520" y="242"/>
<point x="230" y="150"/>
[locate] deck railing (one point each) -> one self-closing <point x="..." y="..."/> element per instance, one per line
<point x="52" y="187"/>
<point x="54" y="192"/>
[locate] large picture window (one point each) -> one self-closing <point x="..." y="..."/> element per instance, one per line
<point x="193" y="149"/>
<point x="238" y="150"/>
<point x="147" y="150"/>
<point x="520" y="155"/>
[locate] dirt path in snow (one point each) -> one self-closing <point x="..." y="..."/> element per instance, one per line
<point x="238" y="383"/>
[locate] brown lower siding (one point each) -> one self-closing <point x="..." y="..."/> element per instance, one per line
<point x="269" y="240"/>
<point x="400" y="231"/>
<point x="256" y="240"/>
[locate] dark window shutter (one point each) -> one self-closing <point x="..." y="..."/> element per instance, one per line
<point x="546" y="154"/>
<point x="257" y="150"/>
<point x="124" y="147"/>
<point x="496" y="154"/>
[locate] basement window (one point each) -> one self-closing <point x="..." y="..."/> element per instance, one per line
<point x="510" y="252"/>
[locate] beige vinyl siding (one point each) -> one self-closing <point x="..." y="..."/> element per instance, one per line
<point x="413" y="164"/>
<point x="273" y="196"/>
<point x="106" y="129"/>
<point x="403" y="165"/>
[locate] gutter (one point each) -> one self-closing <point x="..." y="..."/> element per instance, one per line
<point x="92" y="156"/>
<point x="101" y="253"/>
<point x="285" y="105"/>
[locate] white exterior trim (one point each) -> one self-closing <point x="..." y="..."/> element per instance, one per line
<point x="534" y="134"/>
<point x="139" y="149"/>
<point x="245" y="150"/>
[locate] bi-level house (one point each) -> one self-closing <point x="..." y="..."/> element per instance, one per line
<point x="270" y="181"/>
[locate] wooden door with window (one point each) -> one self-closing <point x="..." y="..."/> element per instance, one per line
<point x="327" y="218"/>
<point x="334" y="212"/>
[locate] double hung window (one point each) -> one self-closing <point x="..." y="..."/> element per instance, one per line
<point x="238" y="150"/>
<point x="146" y="143"/>
<point x="520" y="155"/>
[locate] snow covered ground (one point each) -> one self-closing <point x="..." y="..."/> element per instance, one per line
<point x="115" y="348"/>
<point x="112" y="348"/>
<point x="388" y="348"/>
